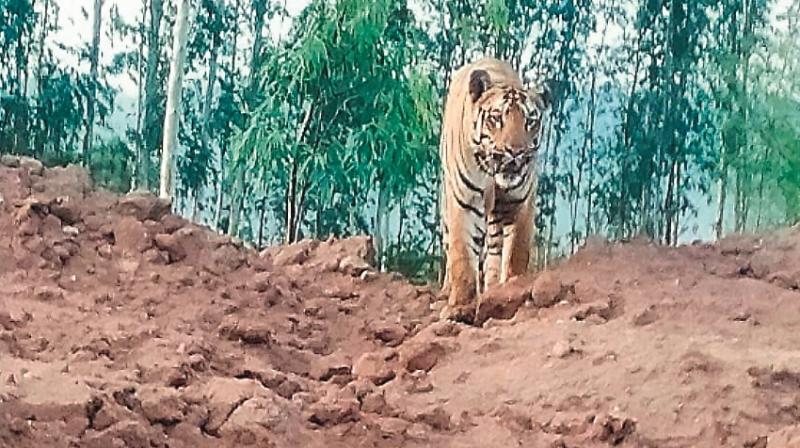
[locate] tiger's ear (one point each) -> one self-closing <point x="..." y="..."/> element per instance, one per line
<point x="549" y="93"/>
<point x="478" y="84"/>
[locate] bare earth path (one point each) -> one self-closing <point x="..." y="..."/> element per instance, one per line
<point x="124" y="326"/>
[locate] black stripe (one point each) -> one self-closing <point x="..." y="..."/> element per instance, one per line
<point x="479" y="230"/>
<point x="467" y="206"/>
<point x="498" y="220"/>
<point x="466" y="180"/>
<point x="495" y="251"/>
<point x="527" y="192"/>
<point x="496" y="234"/>
<point x="495" y="244"/>
<point x="463" y="204"/>
<point x="521" y="182"/>
<point x="477" y="240"/>
<point x="505" y="205"/>
<point x="512" y="201"/>
<point x="461" y="166"/>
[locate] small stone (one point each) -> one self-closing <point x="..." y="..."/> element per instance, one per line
<point x="353" y="265"/>
<point x="373" y="367"/>
<point x="172" y="223"/>
<point x="374" y="403"/>
<point x="66" y="209"/>
<point x="9" y="161"/>
<point x="171" y="245"/>
<point x="262" y="263"/>
<point x="160" y="407"/>
<point x="131" y="237"/>
<point x="326" y="371"/>
<point x="547" y="290"/>
<point x="157" y="257"/>
<point x="254" y="333"/>
<point x="33" y="166"/>
<point x="297" y="253"/>
<point x="445" y="329"/>
<point x="368" y="276"/>
<point x="144" y="206"/>
<point x="562" y="349"/>
<point x="392" y="427"/>
<point x="71" y="231"/>
<point x="758" y="442"/>
<point x="198" y="362"/>
<point x="105" y="251"/>
<point x="503" y="302"/>
<point x="390" y="334"/>
<point x="334" y="410"/>
<point x="437" y="418"/>
<point x="421" y="355"/>
<point x="645" y="317"/>
<point x="48" y="294"/>
<point x="420" y="383"/>
<point x="226" y="259"/>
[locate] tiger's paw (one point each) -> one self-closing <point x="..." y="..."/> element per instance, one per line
<point x="458" y="313"/>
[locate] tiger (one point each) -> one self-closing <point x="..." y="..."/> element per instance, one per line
<point x="490" y="136"/>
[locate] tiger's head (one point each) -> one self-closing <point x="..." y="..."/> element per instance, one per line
<point x="507" y="126"/>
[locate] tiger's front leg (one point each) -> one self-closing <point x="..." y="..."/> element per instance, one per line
<point x="517" y="242"/>
<point x="462" y="267"/>
<point x="492" y="264"/>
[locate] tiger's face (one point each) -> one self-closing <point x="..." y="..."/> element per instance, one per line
<point x="507" y="128"/>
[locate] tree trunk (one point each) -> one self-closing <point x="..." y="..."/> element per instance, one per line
<point x="262" y="220"/>
<point x="589" y="136"/>
<point x="721" y="195"/>
<point x="381" y="224"/>
<point x="39" y="146"/>
<point x="151" y="94"/>
<point x="626" y="141"/>
<point x="94" y="56"/>
<point x="259" y="10"/>
<point x="294" y="201"/>
<point x="209" y="93"/>
<point x="291" y="200"/>
<point x="222" y="149"/>
<point x="174" y="88"/>
<point x="139" y="101"/>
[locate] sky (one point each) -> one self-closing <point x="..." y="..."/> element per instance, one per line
<point x="75" y="24"/>
<point x="75" y="21"/>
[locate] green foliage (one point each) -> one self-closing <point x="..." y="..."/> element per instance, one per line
<point x="112" y="166"/>
<point x="672" y="111"/>
<point x="341" y="112"/>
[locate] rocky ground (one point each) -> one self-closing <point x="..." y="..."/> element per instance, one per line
<point x="122" y="325"/>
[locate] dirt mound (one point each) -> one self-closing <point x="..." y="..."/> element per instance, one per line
<point x="122" y="325"/>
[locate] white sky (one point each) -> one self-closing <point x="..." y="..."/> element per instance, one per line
<point x="76" y="31"/>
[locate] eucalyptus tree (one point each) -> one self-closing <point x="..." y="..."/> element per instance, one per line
<point x="341" y="123"/>
<point x="153" y="95"/>
<point x="94" y="61"/>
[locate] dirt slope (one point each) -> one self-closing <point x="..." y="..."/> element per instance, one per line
<point x="122" y="325"/>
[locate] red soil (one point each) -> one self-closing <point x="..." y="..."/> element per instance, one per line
<point x="122" y="325"/>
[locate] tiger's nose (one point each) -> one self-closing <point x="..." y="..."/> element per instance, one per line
<point x="516" y="150"/>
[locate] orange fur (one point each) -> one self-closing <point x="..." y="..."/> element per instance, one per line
<point x="487" y="112"/>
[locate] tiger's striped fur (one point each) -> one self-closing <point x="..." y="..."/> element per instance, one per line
<point x="491" y="130"/>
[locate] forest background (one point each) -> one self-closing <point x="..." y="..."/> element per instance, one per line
<point x="310" y="119"/>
